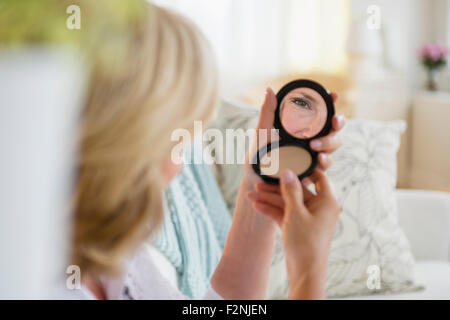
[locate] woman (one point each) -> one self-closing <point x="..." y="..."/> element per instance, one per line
<point x="167" y="80"/>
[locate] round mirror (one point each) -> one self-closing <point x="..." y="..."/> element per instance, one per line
<point x="303" y="113"/>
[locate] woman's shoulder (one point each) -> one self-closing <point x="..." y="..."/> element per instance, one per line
<point x="148" y="276"/>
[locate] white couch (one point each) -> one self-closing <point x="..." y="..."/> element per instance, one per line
<point x="425" y="218"/>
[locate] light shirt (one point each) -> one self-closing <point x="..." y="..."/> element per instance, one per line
<point x="149" y="276"/>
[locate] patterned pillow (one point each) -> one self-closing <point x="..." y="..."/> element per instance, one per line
<point x="369" y="245"/>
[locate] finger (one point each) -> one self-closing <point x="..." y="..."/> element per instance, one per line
<point x="338" y="122"/>
<point x="276" y="214"/>
<point x="322" y="183"/>
<point x="329" y="143"/>
<point x="263" y="186"/>
<point x="325" y="161"/>
<point x="273" y="199"/>
<point x="265" y="122"/>
<point x="307" y="194"/>
<point x="334" y="96"/>
<point x="291" y="190"/>
<point x="267" y="113"/>
<point x="274" y="188"/>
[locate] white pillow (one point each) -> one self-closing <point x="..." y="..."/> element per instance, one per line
<point x="368" y="237"/>
<point x="368" y="241"/>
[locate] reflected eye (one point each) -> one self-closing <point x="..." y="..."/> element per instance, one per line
<point x="301" y="103"/>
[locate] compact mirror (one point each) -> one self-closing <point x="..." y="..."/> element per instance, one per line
<point x="304" y="112"/>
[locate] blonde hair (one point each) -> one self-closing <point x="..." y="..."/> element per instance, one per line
<point x="165" y="80"/>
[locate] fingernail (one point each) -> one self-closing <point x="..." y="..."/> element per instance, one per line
<point x="306" y="182"/>
<point x="323" y="157"/>
<point x="267" y="90"/>
<point x="287" y="177"/>
<point x="316" y="144"/>
<point x="340" y="118"/>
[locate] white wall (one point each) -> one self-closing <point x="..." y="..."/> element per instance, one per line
<point x="406" y="26"/>
<point x="40" y="97"/>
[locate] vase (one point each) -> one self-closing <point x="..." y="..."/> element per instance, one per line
<point x="432" y="80"/>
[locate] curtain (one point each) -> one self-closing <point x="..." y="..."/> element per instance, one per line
<point x="256" y="40"/>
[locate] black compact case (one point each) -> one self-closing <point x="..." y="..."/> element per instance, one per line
<point x="288" y="140"/>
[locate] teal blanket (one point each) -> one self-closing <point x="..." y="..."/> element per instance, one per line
<point x="194" y="231"/>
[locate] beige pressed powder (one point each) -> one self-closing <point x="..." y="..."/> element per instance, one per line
<point x="274" y="162"/>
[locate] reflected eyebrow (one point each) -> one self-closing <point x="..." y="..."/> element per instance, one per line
<point x="307" y="96"/>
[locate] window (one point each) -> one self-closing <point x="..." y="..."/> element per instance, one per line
<point x="256" y="40"/>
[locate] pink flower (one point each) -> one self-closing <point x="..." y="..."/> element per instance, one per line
<point x="433" y="52"/>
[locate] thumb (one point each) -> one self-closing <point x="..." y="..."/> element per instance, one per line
<point x="267" y="113"/>
<point x="291" y="190"/>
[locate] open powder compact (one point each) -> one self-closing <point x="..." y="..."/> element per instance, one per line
<point x="304" y="112"/>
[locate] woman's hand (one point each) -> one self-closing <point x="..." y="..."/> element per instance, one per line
<point x="307" y="222"/>
<point x="243" y="270"/>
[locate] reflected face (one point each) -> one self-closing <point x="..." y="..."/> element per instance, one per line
<point x="303" y="113"/>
